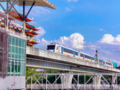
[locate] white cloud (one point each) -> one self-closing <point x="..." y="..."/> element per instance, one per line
<point x="75" y="40"/>
<point x="118" y="38"/>
<point x="67" y="9"/>
<point x="72" y="0"/>
<point x="109" y="39"/>
<point x="42" y="32"/>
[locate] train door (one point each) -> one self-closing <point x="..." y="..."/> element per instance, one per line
<point x="59" y="49"/>
<point x="73" y="54"/>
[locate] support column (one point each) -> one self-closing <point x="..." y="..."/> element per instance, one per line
<point x="66" y="80"/>
<point x="97" y="81"/>
<point x="113" y="79"/>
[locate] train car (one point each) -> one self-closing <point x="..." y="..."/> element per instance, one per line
<point x="114" y="64"/>
<point x="101" y="61"/>
<point x="87" y="57"/>
<point x="108" y="63"/>
<point x="57" y="48"/>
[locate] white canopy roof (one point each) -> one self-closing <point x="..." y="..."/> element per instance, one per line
<point x="45" y="3"/>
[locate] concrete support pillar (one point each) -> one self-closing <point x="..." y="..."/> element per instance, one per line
<point x="66" y="80"/>
<point x="97" y="79"/>
<point x="112" y="79"/>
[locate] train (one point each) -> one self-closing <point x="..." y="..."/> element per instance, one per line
<point x="60" y="49"/>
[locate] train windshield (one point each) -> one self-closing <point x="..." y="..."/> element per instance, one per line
<point x="51" y="47"/>
<point x="108" y="63"/>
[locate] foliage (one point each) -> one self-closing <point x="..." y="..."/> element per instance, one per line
<point x="51" y="78"/>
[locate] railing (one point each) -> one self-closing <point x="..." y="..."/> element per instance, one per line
<point x="72" y="86"/>
<point x="18" y="25"/>
<point x="71" y="81"/>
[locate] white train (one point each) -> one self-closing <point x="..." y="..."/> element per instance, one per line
<point x="57" y="48"/>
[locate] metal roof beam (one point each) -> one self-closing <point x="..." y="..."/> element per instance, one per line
<point x="30" y="9"/>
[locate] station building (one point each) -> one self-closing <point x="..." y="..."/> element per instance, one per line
<point x="13" y="50"/>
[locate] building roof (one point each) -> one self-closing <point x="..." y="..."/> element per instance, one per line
<point x="32" y="27"/>
<point x="3" y="15"/>
<point x="18" y="16"/>
<point x="44" y="3"/>
<point x="32" y="32"/>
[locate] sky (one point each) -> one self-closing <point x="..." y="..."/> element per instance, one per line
<point x="84" y="25"/>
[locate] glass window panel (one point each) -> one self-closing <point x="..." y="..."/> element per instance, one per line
<point x="15" y="52"/>
<point x="10" y="55"/>
<point x="10" y="49"/>
<point x="10" y="40"/>
<point x="24" y="44"/>
<point x="13" y="41"/>
<point x="23" y="51"/>
<point x="9" y="66"/>
<point x="20" y="42"/>
<point x="22" y="69"/>
<point x="19" y="53"/>
<point x="12" y="67"/>
<point x="17" y="42"/>
<point x="19" y="67"/>
<point x="16" y="67"/>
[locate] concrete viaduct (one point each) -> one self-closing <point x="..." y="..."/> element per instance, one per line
<point x="38" y="58"/>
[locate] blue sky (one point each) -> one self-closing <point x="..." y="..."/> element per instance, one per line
<point x="85" y="25"/>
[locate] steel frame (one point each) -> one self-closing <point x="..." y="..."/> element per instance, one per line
<point x="4" y="52"/>
<point x="38" y="84"/>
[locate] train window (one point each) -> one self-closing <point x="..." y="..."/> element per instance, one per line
<point x="76" y="53"/>
<point x="101" y="61"/>
<point x="82" y="55"/>
<point x="108" y="63"/>
<point x="87" y="57"/>
<point x="51" y="47"/>
<point x="68" y="51"/>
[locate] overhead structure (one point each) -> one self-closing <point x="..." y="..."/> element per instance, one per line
<point x="24" y="3"/>
<point x="45" y="3"/>
<point x="12" y="12"/>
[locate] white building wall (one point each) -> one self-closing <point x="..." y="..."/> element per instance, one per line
<point x="8" y="82"/>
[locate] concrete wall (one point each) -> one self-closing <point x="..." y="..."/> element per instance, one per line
<point x="8" y="82"/>
<point x="43" y="64"/>
<point x="58" y="57"/>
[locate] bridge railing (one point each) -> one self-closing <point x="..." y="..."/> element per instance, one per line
<point x="73" y="86"/>
<point x="72" y="81"/>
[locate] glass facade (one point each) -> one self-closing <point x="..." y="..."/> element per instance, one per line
<point x="17" y="56"/>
